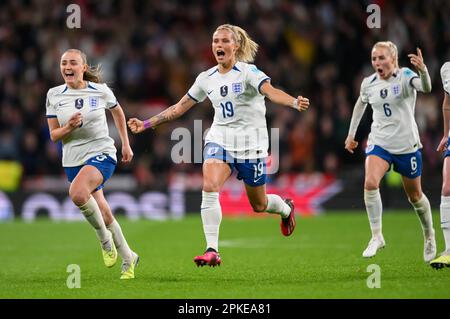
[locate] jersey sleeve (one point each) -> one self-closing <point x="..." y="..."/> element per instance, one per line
<point x="256" y="77"/>
<point x="363" y="93"/>
<point x="445" y="76"/>
<point x="110" y="98"/>
<point x="196" y="92"/>
<point x="50" y="106"/>
<point x="407" y="77"/>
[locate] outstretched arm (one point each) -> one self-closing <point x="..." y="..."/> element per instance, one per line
<point x="358" y="112"/>
<point x="119" y="120"/>
<point x="424" y="83"/>
<point x="171" y="113"/>
<point x="280" y="97"/>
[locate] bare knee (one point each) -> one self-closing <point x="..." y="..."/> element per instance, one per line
<point x="371" y="184"/>
<point x="415" y="196"/>
<point x="79" y="196"/>
<point x="259" y="207"/>
<point x="211" y="186"/>
<point x="446" y="189"/>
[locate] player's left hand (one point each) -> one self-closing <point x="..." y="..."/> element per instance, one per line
<point x="417" y="60"/>
<point x="127" y="154"/>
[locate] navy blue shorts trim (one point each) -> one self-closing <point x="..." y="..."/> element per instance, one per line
<point x="252" y="171"/>
<point x="408" y="165"/>
<point x="447" y="152"/>
<point x="104" y="163"/>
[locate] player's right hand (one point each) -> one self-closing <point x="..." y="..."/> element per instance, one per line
<point x="350" y="144"/>
<point x="75" y="121"/>
<point x="302" y="103"/>
<point x="442" y="147"/>
<point x="135" y="125"/>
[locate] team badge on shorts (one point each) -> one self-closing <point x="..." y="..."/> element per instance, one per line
<point x="369" y="148"/>
<point x="79" y="103"/>
<point x="384" y="93"/>
<point x="224" y="90"/>
<point x="212" y="151"/>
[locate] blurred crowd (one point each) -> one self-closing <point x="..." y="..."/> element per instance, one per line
<point x="152" y="51"/>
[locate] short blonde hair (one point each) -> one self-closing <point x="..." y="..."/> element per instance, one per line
<point x="391" y="47"/>
<point x="247" y="47"/>
<point x="93" y="73"/>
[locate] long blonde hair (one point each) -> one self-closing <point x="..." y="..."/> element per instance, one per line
<point x="247" y="47"/>
<point x="93" y="73"/>
<point x="391" y="47"/>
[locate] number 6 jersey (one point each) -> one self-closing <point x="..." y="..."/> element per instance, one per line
<point x="393" y="103"/>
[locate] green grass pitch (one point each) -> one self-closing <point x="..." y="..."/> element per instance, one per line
<point x="322" y="259"/>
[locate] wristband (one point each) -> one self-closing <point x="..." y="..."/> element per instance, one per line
<point x="295" y="104"/>
<point x="147" y="124"/>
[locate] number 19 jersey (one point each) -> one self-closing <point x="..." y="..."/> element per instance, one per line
<point x="239" y="124"/>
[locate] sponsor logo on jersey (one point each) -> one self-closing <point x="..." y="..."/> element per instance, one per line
<point x="224" y="90"/>
<point x="396" y="89"/>
<point x="383" y="93"/>
<point x="93" y="102"/>
<point x="79" y="103"/>
<point x="236" y="87"/>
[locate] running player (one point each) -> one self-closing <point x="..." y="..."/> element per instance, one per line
<point x="394" y="138"/>
<point x="238" y="138"/>
<point x="444" y="259"/>
<point x="76" y="116"/>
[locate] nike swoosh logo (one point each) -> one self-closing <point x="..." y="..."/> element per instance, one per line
<point x="95" y="162"/>
<point x="256" y="180"/>
<point x="210" y="92"/>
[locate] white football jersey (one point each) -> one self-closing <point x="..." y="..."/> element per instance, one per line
<point x="92" y="138"/>
<point x="239" y="124"/>
<point x="393" y="103"/>
<point x="445" y="76"/>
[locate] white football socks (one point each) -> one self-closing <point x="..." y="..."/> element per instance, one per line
<point x="93" y="215"/>
<point x="120" y="241"/>
<point x="445" y="221"/>
<point x="211" y="217"/>
<point x="374" y="208"/>
<point x="423" y="210"/>
<point x="276" y="205"/>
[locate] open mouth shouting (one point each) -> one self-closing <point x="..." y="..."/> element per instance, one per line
<point x="69" y="75"/>
<point x="220" y="54"/>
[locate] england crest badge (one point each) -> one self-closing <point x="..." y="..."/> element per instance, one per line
<point x="396" y="90"/>
<point x="236" y="87"/>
